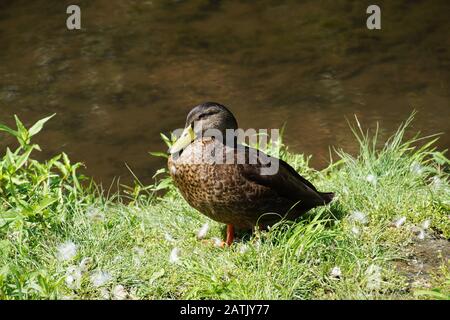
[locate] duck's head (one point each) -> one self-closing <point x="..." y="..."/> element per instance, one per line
<point x="202" y="121"/>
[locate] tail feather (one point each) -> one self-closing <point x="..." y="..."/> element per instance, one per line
<point x="327" y="196"/>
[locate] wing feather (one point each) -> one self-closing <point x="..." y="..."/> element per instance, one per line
<point x="287" y="182"/>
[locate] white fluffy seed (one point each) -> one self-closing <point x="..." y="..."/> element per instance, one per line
<point x="371" y="179"/>
<point x="99" y="278"/>
<point x="175" y="255"/>
<point x="201" y="234"/>
<point x="426" y="224"/>
<point x="66" y="251"/>
<point x="169" y="238"/>
<point x="355" y="230"/>
<point x="421" y="234"/>
<point x="73" y="277"/>
<point x="336" y="272"/>
<point x="85" y="264"/>
<point x="119" y="293"/>
<point x="359" y="217"/>
<point x="399" y="222"/>
<point x="217" y="242"/>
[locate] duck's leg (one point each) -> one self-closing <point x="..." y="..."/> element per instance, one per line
<point x="230" y="234"/>
<point x="229" y="239"/>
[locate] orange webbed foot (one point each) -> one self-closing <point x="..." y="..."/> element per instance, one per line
<point x="221" y="244"/>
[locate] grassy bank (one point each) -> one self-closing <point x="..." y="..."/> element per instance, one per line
<point x="60" y="237"/>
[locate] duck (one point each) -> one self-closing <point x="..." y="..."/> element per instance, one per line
<point x="233" y="183"/>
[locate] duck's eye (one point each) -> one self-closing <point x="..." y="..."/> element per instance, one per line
<point x="206" y="114"/>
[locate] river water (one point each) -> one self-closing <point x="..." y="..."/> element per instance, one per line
<point x="137" y="67"/>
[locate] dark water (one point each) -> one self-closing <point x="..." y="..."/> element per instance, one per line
<point x="136" y="68"/>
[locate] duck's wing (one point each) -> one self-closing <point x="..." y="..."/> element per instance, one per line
<point x="285" y="181"/>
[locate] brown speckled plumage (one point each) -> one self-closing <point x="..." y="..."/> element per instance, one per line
<point x="238" y="194"/>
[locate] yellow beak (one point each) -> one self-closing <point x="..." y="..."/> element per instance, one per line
<point x="183" y="141"/>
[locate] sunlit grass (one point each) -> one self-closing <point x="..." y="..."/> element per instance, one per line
<point x="61" y="240"/>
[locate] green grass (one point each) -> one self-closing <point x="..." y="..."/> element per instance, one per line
<point x="128" y="240"/>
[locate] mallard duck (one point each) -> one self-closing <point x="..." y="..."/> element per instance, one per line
<point x="213" y="178"/>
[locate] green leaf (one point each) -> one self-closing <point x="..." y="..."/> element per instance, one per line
<point x="9" y="157"/>
<point x="37" y="127"/>
<point x="22" y="131"/>
<point x="23" y="158"/>
<point x="159" y="154"/>
<point x="9" y="217"/>
<point x="440" y="158"/>
<point x="43" y="204"/>
<point x="66" y="160"/>
<point x="75" y="179"/>
<point x="166" y="139"/>
<point x="50" y="163"/>
<point x="9" y="130"/>
<point x="18" y="181"/>
<point x="61" y="168"/>
<point x="159" y="171"/>
<point x="164" y="184"/>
